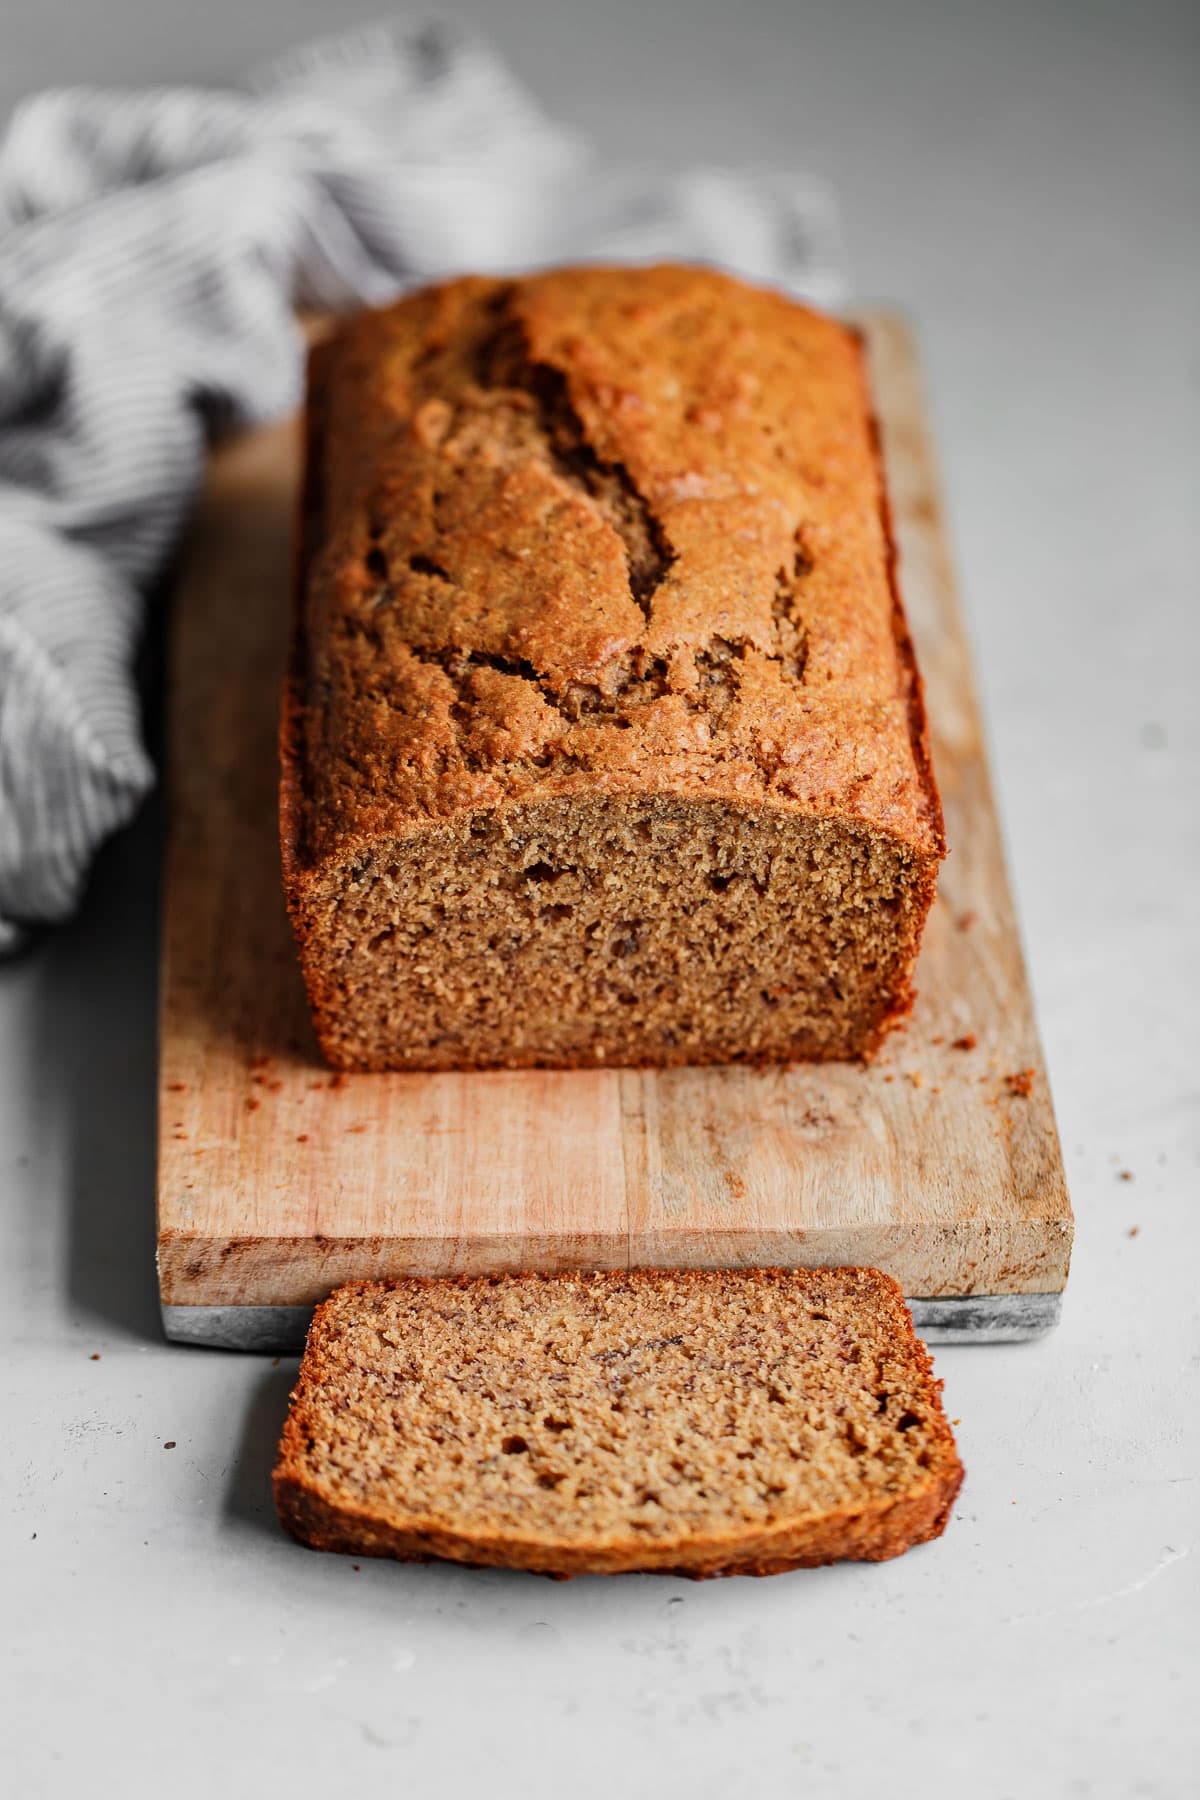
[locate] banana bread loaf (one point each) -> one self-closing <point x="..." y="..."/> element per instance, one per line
<point x="603" y="741"/>
<point x="702" y="1422"/>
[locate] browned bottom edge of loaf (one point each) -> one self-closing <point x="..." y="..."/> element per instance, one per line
<point x="776" y="1056"/>
<point x="874" y="1535"/>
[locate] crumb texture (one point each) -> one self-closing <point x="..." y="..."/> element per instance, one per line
<point x="707" y="1422"/>
<point x="590" y="553"/>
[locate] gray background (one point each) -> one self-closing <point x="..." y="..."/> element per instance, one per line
<point x="1023" y="177"/>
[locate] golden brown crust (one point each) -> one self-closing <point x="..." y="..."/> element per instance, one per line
<point x="883" y="1532"/>
<point x="600" y="533"/>
<point x="369" y="1514"/>
<point x="657" y="521"/>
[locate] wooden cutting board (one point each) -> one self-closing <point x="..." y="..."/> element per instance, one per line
<point x="278" y="1180"/>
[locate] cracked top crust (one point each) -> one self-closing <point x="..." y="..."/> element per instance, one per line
<point x="614" y="530"/>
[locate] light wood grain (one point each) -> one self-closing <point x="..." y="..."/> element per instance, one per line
<point x="278" y="1180"/>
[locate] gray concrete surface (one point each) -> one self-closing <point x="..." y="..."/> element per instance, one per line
<point x="1023" y="177"/>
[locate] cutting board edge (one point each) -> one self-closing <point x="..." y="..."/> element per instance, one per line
<point x="1023" y="1257"/>
<point x="281" y="1330"/>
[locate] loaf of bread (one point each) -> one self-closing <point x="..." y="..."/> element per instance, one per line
<point x="700" y="1422"/>
<point x="603" y="740"/>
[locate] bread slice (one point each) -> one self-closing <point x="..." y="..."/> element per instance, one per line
<point x="695" y="1422"/>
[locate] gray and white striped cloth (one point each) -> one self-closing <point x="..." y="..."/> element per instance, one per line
<point x="152" y="249"/>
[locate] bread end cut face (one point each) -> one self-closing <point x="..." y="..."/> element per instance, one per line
<point x="690" y="1422"/>
<point x="612" y="931"/>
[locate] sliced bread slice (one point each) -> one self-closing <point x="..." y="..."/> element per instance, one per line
<point x="700" y="1422"/>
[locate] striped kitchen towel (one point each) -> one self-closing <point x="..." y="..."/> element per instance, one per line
<point x="153" y="247"/>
